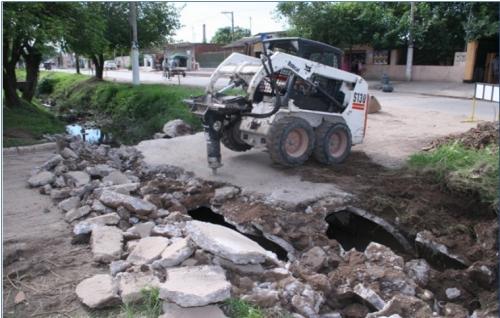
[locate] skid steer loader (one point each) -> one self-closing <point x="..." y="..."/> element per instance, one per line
<point x="294" y="101"/>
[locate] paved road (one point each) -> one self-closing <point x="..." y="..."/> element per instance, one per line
<point x="452" y="106"/>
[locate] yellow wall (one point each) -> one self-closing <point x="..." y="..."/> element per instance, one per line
<point x="470" y="60"/>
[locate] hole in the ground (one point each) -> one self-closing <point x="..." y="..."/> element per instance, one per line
<point x="351" y="229"/>
<point x="205" y="214"/>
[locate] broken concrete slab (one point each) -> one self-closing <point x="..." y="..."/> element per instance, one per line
<point x="195" y="286"/>
<point x="369" y="296"/>
<point x="130" y="285"/>
<point x="75" y="214"/>
<point x="171" y="310"/>
<point x="147" y="250"/>
<point x="106" y="243"/>
<point x="85" y="227"/>
<point x="133" y="204"/>
<point x="167" y="230"/>
<point x="407" y="306"/>
<point x="100" y="170"/>
<point x="252" y="171"/>
<point x="77" y="178"/>
<point x="224" y="242"/>
<point x="176" y="128"/>
<point x="141" y="230"/>
<point x="175" y="253"/>
<point x="41" y="179"/>
<point x="418" y="270"/>
<point x="382" y="255"/>
<point x="426" y="242"/>
<point x="69" y="204"/>
<point x="68" y="153"/>
<point x="118" y="266"/>
<point x="224" y="193"/>
<point x="98" y="291"/>
<point x="116" y="177"/>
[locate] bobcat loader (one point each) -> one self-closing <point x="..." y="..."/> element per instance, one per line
<point x="294" y="101"/>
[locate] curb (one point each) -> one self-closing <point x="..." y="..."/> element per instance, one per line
<point x="29" y="149"/>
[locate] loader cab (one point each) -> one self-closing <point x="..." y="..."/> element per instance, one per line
<point x="308" y="49"/>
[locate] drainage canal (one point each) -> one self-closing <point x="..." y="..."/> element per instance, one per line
<point x="92" y="135"/>
<point x="205" y="214"/>
<point x="356" y="228"/>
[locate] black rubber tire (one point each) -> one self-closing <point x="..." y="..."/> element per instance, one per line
<point x="278" y="135"/>
<point x="324" y="133"/>
<point x="231" y="138"/>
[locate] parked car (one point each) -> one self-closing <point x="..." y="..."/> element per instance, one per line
<point x="110" y="65"/>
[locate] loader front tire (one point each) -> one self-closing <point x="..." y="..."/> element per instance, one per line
<point x="333" y="143"/>
<point x="290" y="141"/>
<point x="231" y="138"/>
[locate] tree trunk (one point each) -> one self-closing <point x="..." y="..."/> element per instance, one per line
<point x="77" y="65"/>
<point x="9" y="71"/>
<point x="32" y="59"/>
<point x="98" y="60"/>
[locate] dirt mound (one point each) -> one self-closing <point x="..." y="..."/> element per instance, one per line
<point x="483" y="135"/>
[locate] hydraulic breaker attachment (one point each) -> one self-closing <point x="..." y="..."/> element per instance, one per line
<point x="212" y="124"/>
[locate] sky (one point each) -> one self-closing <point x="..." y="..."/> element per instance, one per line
<point x="195" y="14"/>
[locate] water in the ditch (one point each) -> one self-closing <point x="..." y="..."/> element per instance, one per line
<point x="205" y="214"/>
<point x="91" y="135"/>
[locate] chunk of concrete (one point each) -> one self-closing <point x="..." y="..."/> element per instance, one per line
<point x="142" y="229"/>
<point x="369" y="296"/>
<point x="116" y="177"/>
<point x="41" y="179"/>
<point x="68" y="153"/>
<point x="171" y="310"/>
<point x="98" y="291"/>
<point x="175" y="254"/>
<point x="130" y="285"/>
<point x="383" y="255"/>
<point x="177" y="127"/>
<point x="224" y="193"/>
<point x="77" y="178"/>
<point x="195" y="286"/>
<point x="106" y="243"/>
<point x="118" y="266"/>
<point x="418" y="270"/>
<point x="147" y="250"/>
<point x="167" y="230"/>
<point x="224" y="242"/>
<point x="133" y="204"/>
<point x="85" y="227"/>
<point x="75" y="214"/>
<point x="69" y="203"/>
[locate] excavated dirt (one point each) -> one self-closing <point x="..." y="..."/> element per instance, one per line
<point x="475" y="138"/>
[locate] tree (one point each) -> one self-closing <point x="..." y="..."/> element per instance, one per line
<point x="29" y="30"/>
<point x="224" y="36"/>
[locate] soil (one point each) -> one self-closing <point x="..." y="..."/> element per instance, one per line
<point x="39" y="259"/>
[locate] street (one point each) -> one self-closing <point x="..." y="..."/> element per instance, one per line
<point x="453" y="106"/>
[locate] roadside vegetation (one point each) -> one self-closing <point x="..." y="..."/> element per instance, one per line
<point x="25" y="125"/>
<point x="150" y="307"/>
<point x="130" y="113"/>
<point x="463" y="169"/>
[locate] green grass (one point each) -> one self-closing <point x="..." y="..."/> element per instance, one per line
<point x="26" y="124"/>
<point x="150" y="307"/>
<point x="135" y="112"/>
<point x="237" y="308"/>
<point x="462" y="169"/>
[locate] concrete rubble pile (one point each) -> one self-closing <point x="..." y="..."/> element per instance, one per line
<point x="136" y="222"/>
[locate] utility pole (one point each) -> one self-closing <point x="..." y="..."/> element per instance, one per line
<point x="135" y="44"/>
<point x="409" y="54"/>
<point x="250" y="25"/>
<point x="232" y="22"/>
<point x="204" y="34"/>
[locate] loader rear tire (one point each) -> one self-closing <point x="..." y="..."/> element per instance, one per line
<point x="290" y="141"/>
<point x="333" y="143"/>
<point x="231" y="138"/>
